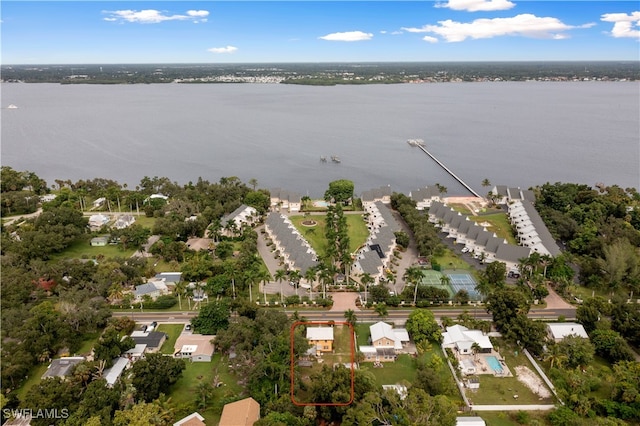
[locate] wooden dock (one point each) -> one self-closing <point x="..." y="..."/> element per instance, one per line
<point x="418" y="143"/>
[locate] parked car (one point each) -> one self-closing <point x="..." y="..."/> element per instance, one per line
<point x="465" y="249"/>
<point x="187" y="327"/>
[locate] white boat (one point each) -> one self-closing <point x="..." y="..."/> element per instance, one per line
<point x="335" y="159"/>
<point x="12" y="106"/>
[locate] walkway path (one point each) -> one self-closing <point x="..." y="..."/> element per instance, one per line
<point x="554" y="301"/>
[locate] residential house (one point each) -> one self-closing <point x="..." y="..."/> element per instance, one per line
<point x="470" y="421"/>
<point x="425" y="196"/>
<point x="99" y="202"/>
<point x="240" y="413"/>
<point x="153" y="289"/>
<point x="382" y="194"/>
<point x="559" y="330"/>
<point x="295" y="250"/>
<point x="98" y="220"/>
<point x="62" y="367"/>
<point x="124" y="221"/>
<point x="194" y="347"/>
<point x="386" y="342"/>
<point x="283" y="200"/>
<point x="153" y="340"/>
<point x="47" y="198"/>
<point x="321" y="338"/>
<point x="99" y="241"/>
<point x="137" y="352"/>
<point x="193" y="419"/>
<point x="233" y="222"/>
<point x="463" y="339"/>
<point x="112" y="374"/>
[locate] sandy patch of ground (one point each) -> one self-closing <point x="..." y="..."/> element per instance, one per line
<point x="474" y="204"/>
<point x="344" y="301"/>
<point x="532" y="381"/>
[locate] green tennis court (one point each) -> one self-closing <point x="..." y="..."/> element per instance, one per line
<point x="431" y="277"/>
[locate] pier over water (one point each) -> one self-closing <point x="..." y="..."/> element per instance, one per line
<point x="420" y="144"/>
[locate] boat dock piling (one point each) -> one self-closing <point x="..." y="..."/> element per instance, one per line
<point x="420" y="144"/>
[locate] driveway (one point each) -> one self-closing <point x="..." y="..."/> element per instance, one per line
<point x="554" y="301"/>
<point x="342" y="302"/>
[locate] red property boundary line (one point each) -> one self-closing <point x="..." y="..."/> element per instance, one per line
<point x="292" y="356"/>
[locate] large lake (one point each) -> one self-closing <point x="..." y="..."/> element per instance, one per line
<point x="517" y="134"/>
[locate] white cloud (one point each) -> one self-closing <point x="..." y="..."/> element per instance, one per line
<point x="623" y="24"/>
<point x="525" y="25"/>
<point x="227" y="49"/>
<point x="383" y="32"/>
<point x="152" y="16"/>
<point x="348" y="36"/>
<point x="477" y="5"/>
<point x="430" y="39"/>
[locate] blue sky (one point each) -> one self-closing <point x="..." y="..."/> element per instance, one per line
<point x="52" y="32"/>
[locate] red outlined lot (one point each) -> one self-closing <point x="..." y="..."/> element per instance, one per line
<point x="293" y="362"/>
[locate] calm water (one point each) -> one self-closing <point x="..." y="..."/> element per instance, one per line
<point x="518" y="134"/>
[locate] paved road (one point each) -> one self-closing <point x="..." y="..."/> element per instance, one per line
<point x="397" y="316"/>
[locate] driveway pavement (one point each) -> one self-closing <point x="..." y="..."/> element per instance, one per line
<point x="344" y="301"/>
<point x="554" y="301"/>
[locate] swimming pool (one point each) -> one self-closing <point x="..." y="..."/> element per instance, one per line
<point x="320" y="203"/>
<point x="494" y="364"/>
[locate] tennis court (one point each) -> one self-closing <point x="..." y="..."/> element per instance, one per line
<point x="464" y="282"/>
<point x="434" y="279"/>
<point x="431" y="277"/>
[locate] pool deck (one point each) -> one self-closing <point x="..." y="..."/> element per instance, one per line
<point x="482" y="365"/>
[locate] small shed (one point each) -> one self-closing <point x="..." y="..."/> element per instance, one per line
<point x="99" y="241"/>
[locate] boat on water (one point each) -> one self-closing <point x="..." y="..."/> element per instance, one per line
<point x="12" y="106"/>
<point x="323" y="159"/>
<point x="335" y="158"/>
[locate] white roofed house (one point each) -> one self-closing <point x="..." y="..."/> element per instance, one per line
<point x="558" y="331"/>
<point x="320" y="338"/>
<point x="124" y="221"/>
<point x="386" y="342"/>
<point x="153" y="289"/>
<point x="462" y="339"/>
<point x="283" y="200"/>
<point x="98" y="220"/>
<point x="233" y="222"/>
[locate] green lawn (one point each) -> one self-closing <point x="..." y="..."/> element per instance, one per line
<point x="183" y="392"/>
<point x="173" y="331"/>
<point x="82" y="249"/>
<point x="500" y="390"/>
<point x="403" y="368"/>
<point x="508" y="418"/>
<point x="450" y="261"/>
<point x="88" y="344"/>
<point x="362" y="334"/>
<point x="33" y="379"/>
<point x="358" y="231"/>
<point x="499" y="224"/>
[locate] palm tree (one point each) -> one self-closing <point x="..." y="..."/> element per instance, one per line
<point x="545" y="261"/>
<point x="230" y="269"/>
<point x="414" y="276"/>
<point x="181" y="287"/>
<point x="475" y="348"/>
<point x="295" y="276"/>
<point x="366" y="279"/>
<point x="555" y="355"/>
<point x="351" y="317"/>
<point x="486" y="182"/>
<point x="445" y="280"/>
<point x="310" y="275"/>
<point x="280" y="276"/>
<point x="381" y="310"/>
<point x="253" y="182"/>
<point x="263" y="276"/>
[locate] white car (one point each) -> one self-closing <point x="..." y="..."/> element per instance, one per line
<point x="465" y="249"/>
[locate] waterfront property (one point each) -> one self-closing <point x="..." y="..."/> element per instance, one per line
<point x="294" y="249"/>
<point x="285" y="201"/>
<point x="234" y="221"/>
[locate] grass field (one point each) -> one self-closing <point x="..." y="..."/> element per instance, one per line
<point x="184" y="391"/>
<point x="499" y="224"/>
<point x="358" y="231"/>
<point x="404" y="368"/>
<point x="451" y="261"/>
<point x="173" y="331"/>
<point x="33" y="379"/>
<point x="82" y="249"/>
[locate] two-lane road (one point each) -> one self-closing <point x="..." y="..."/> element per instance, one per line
<point x="398" y="316"/>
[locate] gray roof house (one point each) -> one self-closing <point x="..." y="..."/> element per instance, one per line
<point x="153" y="340"/>
<point x="424" y="197"/>
<point x="293" y="247"/>
<point x="62" y="367"/>
<point x="112" y="374"/>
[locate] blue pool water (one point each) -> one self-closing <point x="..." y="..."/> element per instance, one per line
<point x="494" y="364"/>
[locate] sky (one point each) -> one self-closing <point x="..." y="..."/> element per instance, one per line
<point x="105" y="32"/>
